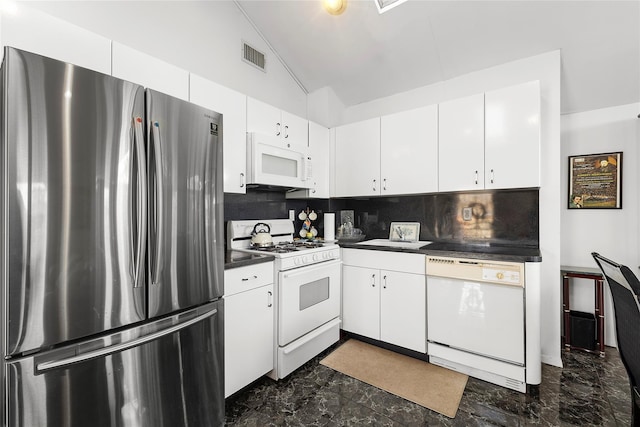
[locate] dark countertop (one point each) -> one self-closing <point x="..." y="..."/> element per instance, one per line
<point x="235" y="259"/>
<point x="461" y="250"/>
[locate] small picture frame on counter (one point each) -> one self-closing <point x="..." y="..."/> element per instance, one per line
<point x="595" y="181"/>
<point x="404" y="231"/>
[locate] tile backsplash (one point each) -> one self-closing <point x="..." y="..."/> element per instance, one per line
<point x="503" y="216"/>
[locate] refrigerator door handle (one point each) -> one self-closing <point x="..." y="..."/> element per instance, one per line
<point x="61" y="362"/>
<point x="159" y="204"/>
<point x="141" y="200"/>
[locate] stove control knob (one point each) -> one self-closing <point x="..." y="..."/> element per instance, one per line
<point x="304" y="259"/>
<point x="316" y="257"/>
<point x="296" y="261"/>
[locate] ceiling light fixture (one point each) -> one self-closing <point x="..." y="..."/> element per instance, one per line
<point x="334" y="7"/>
<point x="384" y="5"/>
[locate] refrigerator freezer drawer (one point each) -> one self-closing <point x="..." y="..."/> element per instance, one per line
<point x="164" y="373"/>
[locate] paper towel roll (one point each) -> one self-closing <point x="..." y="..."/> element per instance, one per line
<point x="329" y="226"/>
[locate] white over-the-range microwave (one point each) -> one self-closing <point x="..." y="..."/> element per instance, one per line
<point x="268" y="163"/>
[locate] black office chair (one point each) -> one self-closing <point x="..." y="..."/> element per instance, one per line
<point x="625" y="289"/>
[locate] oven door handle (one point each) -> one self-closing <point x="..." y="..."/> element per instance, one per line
<point x="313" y="267"/>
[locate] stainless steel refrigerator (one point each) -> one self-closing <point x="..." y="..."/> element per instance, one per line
<point x="112" y="251"/>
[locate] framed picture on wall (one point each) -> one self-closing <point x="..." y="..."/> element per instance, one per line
<point x="595" y="181"/>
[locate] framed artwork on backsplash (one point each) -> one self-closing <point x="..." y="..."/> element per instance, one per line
<point x="595" y="181"/>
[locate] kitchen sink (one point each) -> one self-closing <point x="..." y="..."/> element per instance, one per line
<point x="395" y="243"/>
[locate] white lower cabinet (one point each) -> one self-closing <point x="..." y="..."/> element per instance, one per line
<point x="248" y="325"/>
<point x="384" y="297"/>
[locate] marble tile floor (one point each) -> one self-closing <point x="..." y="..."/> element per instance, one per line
<point x="588" y="391"/>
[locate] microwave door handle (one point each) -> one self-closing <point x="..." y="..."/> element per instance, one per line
<point x="158" y="207"/>
<point x="118" y="348"/>
<point x="141" y="208"/>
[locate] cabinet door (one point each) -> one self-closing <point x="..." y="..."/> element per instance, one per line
<point x="403" y="310"/>
<point x="248" y="337"/>
<point x="35" y="31"/>
<point x="295" y="131"/>
<point x="361" y="301"/>
<point x="409" y="151"/>
<point x="232" y="105"/>
<point x="512" y="137"/>
<point x="138" y="67"/>
<point x="461" y="144"/>
<point x="263" y="118"/>
<point x="357" y="159"/>
<point x="319" y="152"/>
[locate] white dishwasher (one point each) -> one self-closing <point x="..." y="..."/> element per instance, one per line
<point x="476" y="318"/>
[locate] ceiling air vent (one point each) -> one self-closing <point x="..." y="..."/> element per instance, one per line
<point x="253" y="56"/>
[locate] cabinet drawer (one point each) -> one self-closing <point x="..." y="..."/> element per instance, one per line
<point x="243" y="279"/>
<point x="385" y="260"/>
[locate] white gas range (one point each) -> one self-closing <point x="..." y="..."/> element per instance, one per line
<point x="307" y="286"/>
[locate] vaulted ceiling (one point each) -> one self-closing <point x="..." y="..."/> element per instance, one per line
<point x="363" y="55"/>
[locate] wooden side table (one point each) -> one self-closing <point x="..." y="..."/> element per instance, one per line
<point x="594" y="274"/>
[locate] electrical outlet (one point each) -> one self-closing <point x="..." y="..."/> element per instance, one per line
<point x="466" y="213"/>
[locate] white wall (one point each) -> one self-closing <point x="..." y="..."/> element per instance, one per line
<point x="611" y="232"/>
<point x="324" y="107"/>
<point x="546" y="68"/>
<point x="166" y="31"/>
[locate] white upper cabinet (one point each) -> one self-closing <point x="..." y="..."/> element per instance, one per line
<point x="138" y="67"/>
<point x="319" y="152"/>
<point x="391" y="155"/>
<point x="357" y="159"/>
<point x="232" y="105"/>
<point x="37" y="32"/>
<point x="319" y="143"/>
<point x="512" y="137"/>
<point x="292" y="131"/>
<point x="409" y="151"/>
<point x="491" y="140"/>
<point x="461" y="144"/>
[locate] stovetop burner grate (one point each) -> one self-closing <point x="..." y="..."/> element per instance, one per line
<point x="285" y="247"/>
